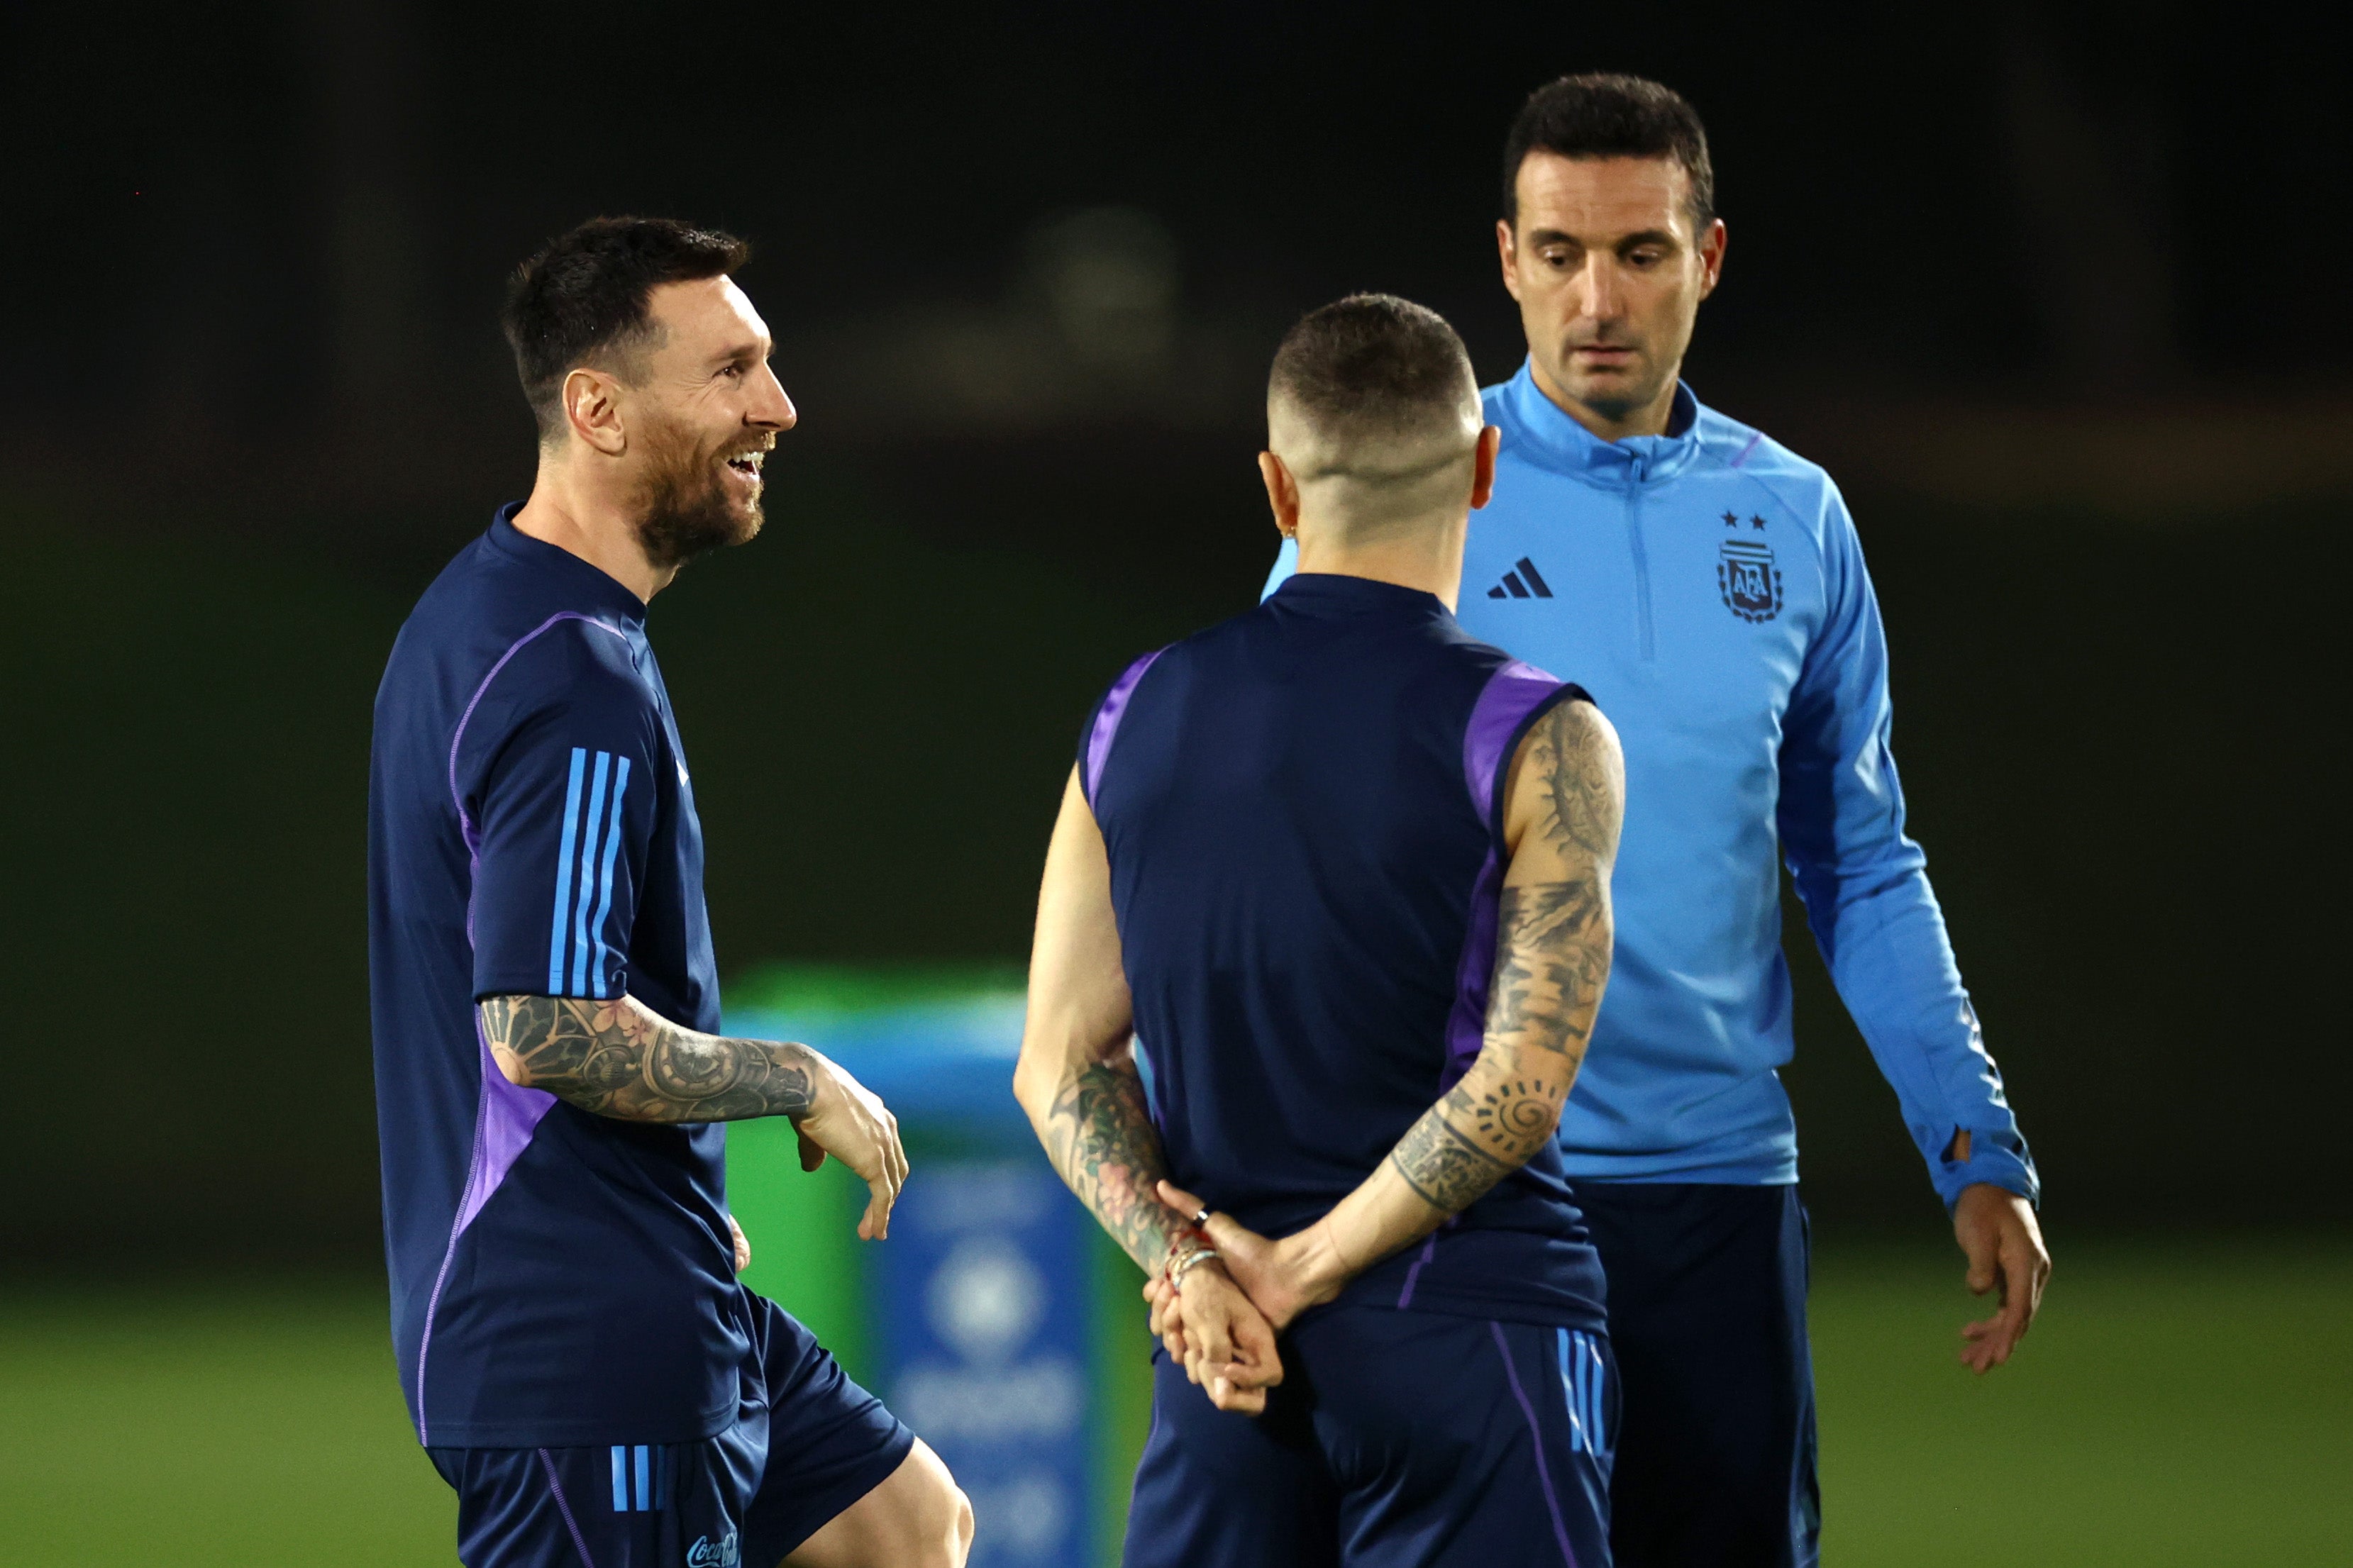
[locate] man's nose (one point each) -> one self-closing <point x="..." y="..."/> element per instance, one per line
<point x="1603" y="301"/>
<point x="771" y="408"/>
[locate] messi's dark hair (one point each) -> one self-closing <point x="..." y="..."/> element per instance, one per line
<point x="1608" y="116"/>
<point x="585" y="297"/>
<point x="1373" y="359"/>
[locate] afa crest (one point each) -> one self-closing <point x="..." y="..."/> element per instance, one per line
<point x="1748" y="580"/>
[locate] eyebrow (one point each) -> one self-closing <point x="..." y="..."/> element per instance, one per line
<point x="740" y="352"/>
<point x="1645" y="236"/>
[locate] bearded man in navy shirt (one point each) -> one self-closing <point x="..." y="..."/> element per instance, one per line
<point x="578" y="1358"/>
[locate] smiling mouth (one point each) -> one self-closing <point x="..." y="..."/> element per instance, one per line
<point x="747" y="463"/>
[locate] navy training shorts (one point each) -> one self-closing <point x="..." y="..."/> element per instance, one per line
<point x="807" y="1444"/>
<point x="1397" y="1439"/>
<point x="1707" y="1314"/>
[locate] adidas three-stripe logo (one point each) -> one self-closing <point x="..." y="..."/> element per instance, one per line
<point x="650" y="1469"/>
<point x="1523" y="583"/>
<point x="1580" y="1365"/>
<point x="578" y="959"/>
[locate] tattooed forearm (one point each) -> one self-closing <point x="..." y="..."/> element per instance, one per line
<point x="1100" y="1136"/>
<point x="1485" y="1127"/>
<point x="620" y="1060"/>
<point x="1438" y="1161"/>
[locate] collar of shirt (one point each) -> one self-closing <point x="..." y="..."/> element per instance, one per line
<point x="1330" y="593"/>
<point x="1537" y="429"/>
<point x="596" y="591"/>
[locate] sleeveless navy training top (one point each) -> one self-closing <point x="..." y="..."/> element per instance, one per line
<point x="1303" y="807"/>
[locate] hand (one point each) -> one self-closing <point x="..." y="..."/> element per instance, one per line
<point x="1230" y="1352"/>
<point x="1167" y="1316"/>
<point x="1999" y="1236"/>
<point x="743" y="1245"/>
<point x="1283" y="1277"/>
<point x="849" y="1123"/>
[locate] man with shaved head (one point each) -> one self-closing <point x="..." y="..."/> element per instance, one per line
<point x="1324" y="923"/>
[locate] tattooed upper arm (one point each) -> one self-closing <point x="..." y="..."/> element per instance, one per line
<point x="1578" y="801"/>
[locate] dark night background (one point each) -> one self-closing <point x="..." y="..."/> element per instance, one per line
<point x="2055" y="294"/>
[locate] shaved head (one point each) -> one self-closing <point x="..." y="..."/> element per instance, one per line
<point x="1374" y="409"/>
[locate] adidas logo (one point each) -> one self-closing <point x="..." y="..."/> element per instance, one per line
<point x="1524" y="583"/>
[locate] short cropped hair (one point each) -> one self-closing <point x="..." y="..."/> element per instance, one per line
<point x="1608" y="116"/>
<point x="585" y="299"/>
<point x="1375" y="365"/>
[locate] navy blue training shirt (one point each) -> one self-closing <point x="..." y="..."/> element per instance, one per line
<point x="1303" y="812"/>
<point x="558" y="1279"/>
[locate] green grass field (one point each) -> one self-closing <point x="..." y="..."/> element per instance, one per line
<point x="2192" y="1405"/>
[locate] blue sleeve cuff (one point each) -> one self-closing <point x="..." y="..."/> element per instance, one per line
<point x="1996" y="1158"/>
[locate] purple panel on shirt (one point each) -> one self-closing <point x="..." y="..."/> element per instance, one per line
<point x="505" y="1119"/>
<point x="1107" y="717"/>
<point x="1511" y="694"/>
<point x="510" y="1115"/>
<point x="1466" y="1026"/>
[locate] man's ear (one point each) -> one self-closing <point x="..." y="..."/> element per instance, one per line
<point x="591" y="408"/>
<point x="1483" y="465"/>
<point x="1510" y="258"/>
<point x="1281" y="494"/>
<point x="1711" y="257"/>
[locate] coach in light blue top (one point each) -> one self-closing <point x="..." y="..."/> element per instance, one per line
<point x="1705" y="584"/>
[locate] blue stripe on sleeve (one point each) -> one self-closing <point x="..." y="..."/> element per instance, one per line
<point x="604" y="880"/>
<point x="620" y="1481"/>
<point x="589" y="822"/>
<point x="645" y="1479"/>
<point x="563" y="919"/>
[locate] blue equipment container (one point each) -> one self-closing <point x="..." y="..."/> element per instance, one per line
<point x="996" y="1320"/>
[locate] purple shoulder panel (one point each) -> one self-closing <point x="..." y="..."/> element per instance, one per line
<point x="1113" y="709"/>
<point x="1512" y="693"/>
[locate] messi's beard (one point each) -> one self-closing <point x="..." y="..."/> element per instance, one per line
<point x="689" y="507"/>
